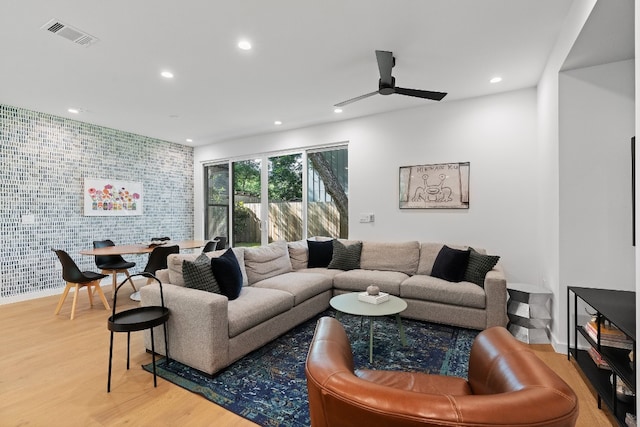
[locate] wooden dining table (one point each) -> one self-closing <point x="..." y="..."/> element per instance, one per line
<point x="140" y="248"/>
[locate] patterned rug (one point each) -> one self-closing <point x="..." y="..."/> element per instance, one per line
<point x="268" y="386"/>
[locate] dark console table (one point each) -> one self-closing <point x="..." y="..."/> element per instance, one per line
<point x="617" y="308"/>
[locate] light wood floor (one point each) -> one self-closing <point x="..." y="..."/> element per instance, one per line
<point x="53" y="371"/>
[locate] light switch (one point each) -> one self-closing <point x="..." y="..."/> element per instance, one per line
<point x="368" y="217"/>
<point x="28" y="219"/>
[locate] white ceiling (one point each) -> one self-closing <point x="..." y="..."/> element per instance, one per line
<point x="306" y="56"/>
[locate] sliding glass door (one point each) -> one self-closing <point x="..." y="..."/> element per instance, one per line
<point x="328" y="193"/>
<point x="285" y="197"/>
<point x="216" y="220"/>
<point x="247" y="203"/>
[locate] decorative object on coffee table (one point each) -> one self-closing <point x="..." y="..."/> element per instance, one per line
<point x="528" y="311"/>
<point x="373" y="295"/>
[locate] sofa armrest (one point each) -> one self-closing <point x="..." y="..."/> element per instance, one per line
<point x="495" y="287"/>
<point x="198" y="326"/>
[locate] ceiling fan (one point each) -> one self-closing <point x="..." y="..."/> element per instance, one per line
<point x="387" y="83"/>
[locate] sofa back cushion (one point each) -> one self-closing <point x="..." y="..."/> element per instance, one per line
<point x="388" y="256"/>
<point x="267" y="261"/>
<point x="298" y="254"/>
<point x="429" y="252"/>
<point x="174" y="264"/>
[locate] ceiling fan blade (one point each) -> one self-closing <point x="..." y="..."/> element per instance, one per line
<point x="426" y="94"/>
<point x="357" y="98"/>
<point x="385" y="64"/>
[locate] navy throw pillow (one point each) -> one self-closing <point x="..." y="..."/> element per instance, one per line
<point x="320" y="253"/>
<point x="228" y="274"/>
<point x="450" y="264"/>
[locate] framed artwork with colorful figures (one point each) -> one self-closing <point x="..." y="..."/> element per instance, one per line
<point x="437" y="186"/>
<point x="108" y="197"/>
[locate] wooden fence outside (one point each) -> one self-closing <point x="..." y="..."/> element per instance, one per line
<point x="285" y="221"/>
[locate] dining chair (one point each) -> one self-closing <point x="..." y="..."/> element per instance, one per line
<point x="211" y="245"/>
<point x="113" y="264"/>
<point x="222" y="242"/>
<point x="157" y="261"/>
<point x="78" y="279"/>
<point x="160" y="239"/>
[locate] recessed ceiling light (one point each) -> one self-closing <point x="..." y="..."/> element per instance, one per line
<point x="277" y="123"/>
<point x="189" y="140"/>
<point x="167" y="74"/>
<point x="244" y="45"/>
<point x="495" y="80"/>
<point x="74" y="110"/>
<point x="337" y="110"/>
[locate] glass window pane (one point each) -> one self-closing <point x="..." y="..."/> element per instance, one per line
<point x="285" y="197"/>
<point x="328" y="193"/>
<point x="217" y="201"/>
<point x="246" y="203"/>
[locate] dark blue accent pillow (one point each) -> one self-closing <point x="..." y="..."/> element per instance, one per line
<point x="320" y="253"/>
<point x="450" y="264"/>
<point x="228" y="274"/>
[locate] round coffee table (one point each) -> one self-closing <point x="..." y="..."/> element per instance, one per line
<point x="350" y="304"/>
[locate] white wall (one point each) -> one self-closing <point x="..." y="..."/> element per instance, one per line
<point x="496" y="134"/>
<point x="548" y="243"/>
<point x="596" y="126"/>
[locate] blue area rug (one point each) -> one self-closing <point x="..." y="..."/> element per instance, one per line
<point x="268" y="386"/>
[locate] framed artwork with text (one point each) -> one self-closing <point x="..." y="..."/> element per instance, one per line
<point x="436" y="186"/>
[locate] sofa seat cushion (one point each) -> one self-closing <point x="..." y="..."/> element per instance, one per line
<point x="319" y="270"/>
<point x="255" y="306"/>
<point x="358" y="280"/>
<point x="400" y="256"/>
<point x="428" y="288"/>
<point x="301" y="286"/>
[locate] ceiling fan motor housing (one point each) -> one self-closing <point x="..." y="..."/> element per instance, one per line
<point x="385" y="89"/>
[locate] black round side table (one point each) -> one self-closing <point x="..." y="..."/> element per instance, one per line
<point x="138" y="319"/>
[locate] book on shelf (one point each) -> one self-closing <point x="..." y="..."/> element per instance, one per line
<point x="610" y="336"/>
<point x="597" y="359"/>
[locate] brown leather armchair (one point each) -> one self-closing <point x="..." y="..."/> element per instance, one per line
<point x="508" y="386"/>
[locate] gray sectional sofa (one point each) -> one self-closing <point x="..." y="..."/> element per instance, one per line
<point x="208" y="332"/>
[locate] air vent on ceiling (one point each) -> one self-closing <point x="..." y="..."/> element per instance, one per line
<point x="70" y="33"/>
